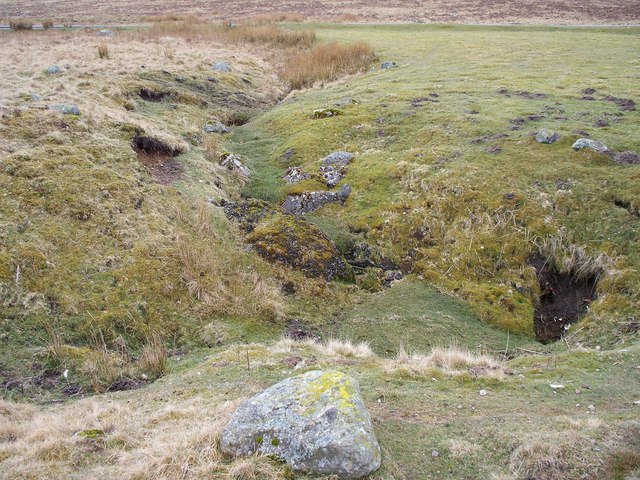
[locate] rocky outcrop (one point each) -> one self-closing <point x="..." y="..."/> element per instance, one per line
<point x="234" y="163"/>
<point x="295" y="175"/>
<point x="312" y="201"/>
<point x="594" y="145"/>
<point x="547" y="136"/>
<point x="316" y="422"/>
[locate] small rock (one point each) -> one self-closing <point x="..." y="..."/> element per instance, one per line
<point x="216" y="127"/>
<point x="594" y="145"/>
<point x="332" y="175"/>
<point x="637" y="402"/>
<point x="53" y="70"/>
<point x="316" y="422"/>
<point x="556" y="386"/>
<point x="598" y="347"/>
<point x="65" y="108"/>
<point x="546" y="136"/>
<point x="577" y="390"/>
<point x="627" y="158"/>
<point x="435" y="454"/>
<point x="591" y="407"/>
<point x="106" y="33"/>
<point x="483" y="393"/>
<point x="346" y="101"/>
<point x="221" y="66"/>
<point x="388" y="65"/>
<point x="326" y="112"/>
<point x="234" y="163"/>
<point x="295" y="175"/>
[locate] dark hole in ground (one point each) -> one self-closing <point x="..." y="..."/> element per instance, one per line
<point x="158" y="157"/>
<point x="149" y="95"/>
<point x="563" y="300"/>
<point x="237" y="119"/>
<point x="626" y="204"/>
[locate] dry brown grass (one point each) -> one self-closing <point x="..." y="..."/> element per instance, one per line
<point x="153" y="360"/>
<point x="325" y="63"/>
<point x="47" y="23"/>
<point x="103" y="51"/>
<point x="20" y="24"/>
<point x="257" y="33"/>
<point x="332" y="347"/>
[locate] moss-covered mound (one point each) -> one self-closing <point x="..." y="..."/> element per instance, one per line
<point x="299" y="244"/>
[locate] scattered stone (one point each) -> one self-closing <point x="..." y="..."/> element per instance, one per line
<point x="234" y="163"/>
<point x="326" y="112"/>
<point x="216" y="127"/>
<point x="221" y="66"/>
<point x="391" y="276"/>
<point x="591" y="407"/>
<point x="594" y="145"/>
<point x="332" y="175"/>
<point x="625" y="104"/>
<point x="337" y="159"/>
<point x="600" y="123"/>
<point x="556" y="386"/>
<point x="627" y="158"/>
<point x="53" y="70"/>
<point x="106" y="33"/>
<point x="346" y="101"/>
<point x="637" y="402"/>
<point x="311" y="201"/>
<point x="388" y="65"/>
<point x="547" y="136"/>
<point x="316" y="422"/>
<point x="65" y="108"/>
<point x="435" y="454"/>
<point x="295" y="175"/>
<point x="578" y="391"/>
<point x="483" y="393"/>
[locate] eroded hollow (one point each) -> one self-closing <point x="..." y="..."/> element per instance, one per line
<point x="564" y="299"/>
<point x="158" y="157"/>
<point x="149" y="95"/>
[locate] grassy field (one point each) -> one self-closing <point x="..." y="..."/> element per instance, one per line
<point x="118" y="269"/>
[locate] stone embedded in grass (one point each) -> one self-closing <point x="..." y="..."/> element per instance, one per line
<point x="312" y="201"/>
<point x="326" y="112"/>
<point x="346" y="101"/>
<point x="295" y="175"/>
<point x="627" y="158"/>
<point x="234" y="163"/>
<point x="388" y="65"/>
<point x="216" y="127"/>
<point x="65" y="108"/>
<point x="221" y="66"/>
<point x="316" y="422"/>
<point x="547" y="136"/>
<point x="594" y="145"/>
<point x="339" y="159"/>
<point x="106" y="33"/>
<point x="53" y="70"/>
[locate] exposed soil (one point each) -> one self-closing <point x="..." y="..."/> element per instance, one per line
<point x="563" y="300"/>
<point x="158" y="157"/>
<point x="152" y="95"/>
<point x="627" y="158"/>
<point x="625" y="104"/>
<point x="297" y="331"/>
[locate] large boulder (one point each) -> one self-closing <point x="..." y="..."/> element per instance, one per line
<point x="311" y="201"/>
<point x="299" y="244"/>
<point x="316" y="422"/>
<point x="594" y="145"/>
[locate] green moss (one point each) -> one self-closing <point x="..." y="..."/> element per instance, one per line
<point x="92" y="433"/>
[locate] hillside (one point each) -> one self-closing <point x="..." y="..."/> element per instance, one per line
<point x="566" y="12"/>
<point x="481" y="286"/>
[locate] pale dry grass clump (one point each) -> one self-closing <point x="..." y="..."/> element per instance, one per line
<point x="450" y="361"/>
<point x="332" y="348"/>
<point x="325" y="63"/>
<point x="19" y="24"/>
<point x="267" y="18"/>
<point x="153" y="359"/>
<point x="103" y="51"/>
<point x="566" y="257"/>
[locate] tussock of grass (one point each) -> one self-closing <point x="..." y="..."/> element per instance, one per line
<point x="20" y="24"/>
<point x="103" y="51"/>
<point x="332" y="347"/>
<point x="569" y="258"/>
<point x="325" y="63"/>
<point x="450" y="361"/>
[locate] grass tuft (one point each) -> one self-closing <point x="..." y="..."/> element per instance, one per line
<point x="20" y="24"/>
<point x="103" y="51"/>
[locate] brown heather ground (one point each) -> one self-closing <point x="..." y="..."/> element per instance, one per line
<point x="572" y="12"/>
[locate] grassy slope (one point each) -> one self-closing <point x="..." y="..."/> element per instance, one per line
<point x="423" y="189"/>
